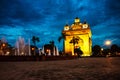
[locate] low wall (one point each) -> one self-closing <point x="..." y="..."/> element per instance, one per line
<point x="35" y="58"/>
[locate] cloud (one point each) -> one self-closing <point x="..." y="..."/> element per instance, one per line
<point x="46" y="18"/>
<point x="107" y="30"/>
<point x="112" y="8"/>
<point x="17" y="11"/>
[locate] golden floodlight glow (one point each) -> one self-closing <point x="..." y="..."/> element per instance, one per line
<point x="3" y="45"/>
<point x="108" y="42"/>
<point x="33" y="49"/>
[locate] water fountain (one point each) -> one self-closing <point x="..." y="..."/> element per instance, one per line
<point x="57" y="51"/>
<point x="54" y="51"/>
<point x="22" y="48"/>
<point x="43" y="51"/>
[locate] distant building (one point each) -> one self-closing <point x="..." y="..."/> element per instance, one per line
<point x="78" y="35"/>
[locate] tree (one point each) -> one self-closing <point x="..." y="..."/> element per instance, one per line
<point x="52" y="46"/>
<point x="52" y="43"/>
<point x="34" y="40"/>
<point x="114" y="49"/>
<point x="9" y="48"/>
<point x="61" y="37"/>
<point x="74" y="40"/>
<point x="96" y="50"/>
<point x="78" y="51"/>
<point x="5" y="47"/>
<point x="106" y="52"/>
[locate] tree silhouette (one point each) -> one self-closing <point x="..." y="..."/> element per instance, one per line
<point x="52" y="43"/>
<point x="61" y="37"/>
<point x="106" y="52"/>
<point x="78" y="51"/>
<point x="52" y="46"/>
<point x="114" y="49"/>
<point x="74" y="40"/>
<point x="96" y="50"/>
<point x="34" y="40"/>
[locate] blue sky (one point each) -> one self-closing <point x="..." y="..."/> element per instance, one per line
<point x="46" y="19"/>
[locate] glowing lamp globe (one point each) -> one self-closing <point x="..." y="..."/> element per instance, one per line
<point x="108" y="42"/>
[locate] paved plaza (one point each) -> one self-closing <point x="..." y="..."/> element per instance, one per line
<point x="76" y="69"/>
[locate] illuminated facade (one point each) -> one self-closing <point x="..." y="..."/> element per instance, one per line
<point x="78" y="35"/>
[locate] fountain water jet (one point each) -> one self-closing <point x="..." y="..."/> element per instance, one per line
<point x="22" y="48"/>
<point x="57" y="51"/>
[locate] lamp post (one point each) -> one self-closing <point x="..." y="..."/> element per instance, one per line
<point x="3" y="45"/>
<point x="108" y="43"/>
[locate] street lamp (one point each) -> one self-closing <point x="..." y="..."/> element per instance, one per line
<point x="33" y="49"/>
<point x="102" y="49"/>
<point x="3" y="44"/>
<point x="108" y="42"/>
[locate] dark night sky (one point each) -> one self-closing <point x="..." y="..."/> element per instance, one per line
<point x="46" y="19"/>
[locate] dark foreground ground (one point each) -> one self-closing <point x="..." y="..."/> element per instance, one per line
<point x="77" y="69"/>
